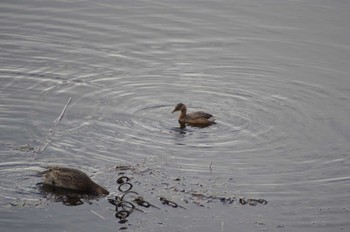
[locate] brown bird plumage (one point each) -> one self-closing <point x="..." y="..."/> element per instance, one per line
<point x="197" y="119"/>
<point x="72" y="179"/>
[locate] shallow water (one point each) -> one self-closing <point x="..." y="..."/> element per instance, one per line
<point x="274" y="73"/>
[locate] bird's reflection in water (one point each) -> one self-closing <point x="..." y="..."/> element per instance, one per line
<point x="180" y="133"/>
<point x="66" y="196"/>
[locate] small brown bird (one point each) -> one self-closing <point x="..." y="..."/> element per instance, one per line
<point x="72" y="179"/>
<point x="196" y="119"/>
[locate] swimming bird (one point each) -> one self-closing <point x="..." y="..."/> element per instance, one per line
<point x="72" y="179"/>
<point x="196" y="119"/>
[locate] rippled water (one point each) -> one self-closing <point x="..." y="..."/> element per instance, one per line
<point x="274" y="73"/>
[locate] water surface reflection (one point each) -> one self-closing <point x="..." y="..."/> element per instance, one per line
<point x="273" y="74"/>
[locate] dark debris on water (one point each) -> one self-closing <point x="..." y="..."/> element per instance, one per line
<point x="130" y="201"/>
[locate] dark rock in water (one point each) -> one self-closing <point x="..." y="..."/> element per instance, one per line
<point x="72" y="179"/>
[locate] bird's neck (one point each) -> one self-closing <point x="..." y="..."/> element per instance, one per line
<point x="183" y="114"/>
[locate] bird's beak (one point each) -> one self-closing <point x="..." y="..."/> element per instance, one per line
<point x="174" y="111"/>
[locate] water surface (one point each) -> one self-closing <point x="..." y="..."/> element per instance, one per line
<point x="274" y="73"/>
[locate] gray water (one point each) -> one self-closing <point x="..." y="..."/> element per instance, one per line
<point x="274" y="73"/>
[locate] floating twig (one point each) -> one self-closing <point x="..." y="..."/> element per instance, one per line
<point x="45" y="145"/>
<point x="54" y="125"/>
<point x="97" y="214"/>
<point x="61" y="115"/>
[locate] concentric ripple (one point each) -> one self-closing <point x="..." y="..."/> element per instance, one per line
<point x="278" y="88"/>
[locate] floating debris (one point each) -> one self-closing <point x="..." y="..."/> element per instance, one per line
<point x="252" y="202"/>
<point x="123" y="208"/>
<point x="23" y="148"/>
<point x="168" y="202"/>
<point x="141" y="202"/>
